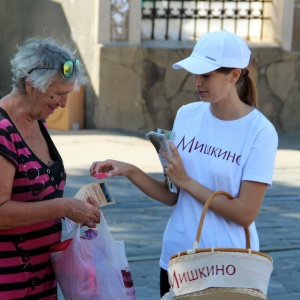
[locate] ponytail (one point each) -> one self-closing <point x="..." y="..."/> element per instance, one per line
<point x="245" y="87"/>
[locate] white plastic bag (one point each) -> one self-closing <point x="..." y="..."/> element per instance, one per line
<point x="94" y="269"/>
<point x="168" y="296"/>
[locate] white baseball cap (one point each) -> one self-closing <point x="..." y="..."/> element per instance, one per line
<point x="215" y="50"/>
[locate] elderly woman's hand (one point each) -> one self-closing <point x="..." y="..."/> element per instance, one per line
<point x="86" y="213"/>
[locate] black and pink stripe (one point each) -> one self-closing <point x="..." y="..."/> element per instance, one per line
<point x="25" y="269"/>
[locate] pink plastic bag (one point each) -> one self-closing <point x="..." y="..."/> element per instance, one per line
<point x="94" y="269"/>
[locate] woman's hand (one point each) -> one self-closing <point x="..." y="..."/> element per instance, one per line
<point x="86" y="213"/>
<point x="111" y="168"/>
<point x="175" y="168"/>
<point x="151" y="186"/>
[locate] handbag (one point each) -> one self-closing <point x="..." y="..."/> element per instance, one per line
<point x="219" y="273"/>
<point x="93" y="268"/>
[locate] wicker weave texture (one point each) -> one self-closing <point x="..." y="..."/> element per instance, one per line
<point x="224" y="294"/>
<point x="229" y="291"/>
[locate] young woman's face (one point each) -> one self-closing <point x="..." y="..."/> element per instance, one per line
<point x="214" y="86"/>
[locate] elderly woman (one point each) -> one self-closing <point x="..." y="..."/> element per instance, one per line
<point x="33" y="177"/>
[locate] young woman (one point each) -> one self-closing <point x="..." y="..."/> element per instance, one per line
<point x="222" y="143"/>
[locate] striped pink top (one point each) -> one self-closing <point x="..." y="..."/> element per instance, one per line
<point x="25" y="269"/>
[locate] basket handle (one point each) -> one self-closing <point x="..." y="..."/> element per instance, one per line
<point x="205" y="208"/>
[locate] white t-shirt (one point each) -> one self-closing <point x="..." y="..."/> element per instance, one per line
<point x="218" y="154"/>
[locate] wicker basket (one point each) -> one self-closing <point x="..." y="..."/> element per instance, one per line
<point x="219" y="273"/>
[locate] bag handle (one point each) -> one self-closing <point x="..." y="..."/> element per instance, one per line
<point x="205" y="208"/>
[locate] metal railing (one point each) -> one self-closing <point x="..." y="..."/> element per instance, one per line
<point x="188" y="20"/>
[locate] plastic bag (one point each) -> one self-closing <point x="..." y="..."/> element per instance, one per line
<point x="94" y="269"/>
<point x="168" y="296"/>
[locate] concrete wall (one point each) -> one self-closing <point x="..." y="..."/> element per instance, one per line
<point x="131" y="85"/>
<point x="71" y="21"/>
<point x="147" y="92"/>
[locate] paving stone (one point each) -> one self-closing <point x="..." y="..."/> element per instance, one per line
<point x="140" y="221"/>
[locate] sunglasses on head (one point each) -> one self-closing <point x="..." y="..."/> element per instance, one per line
<point x="66" y="68"/>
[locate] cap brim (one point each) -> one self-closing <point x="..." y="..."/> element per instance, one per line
<point x="195" y="65"/>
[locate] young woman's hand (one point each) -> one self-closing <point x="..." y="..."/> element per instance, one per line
<point x="175" y="168"/>
<point x="111" y="168"/>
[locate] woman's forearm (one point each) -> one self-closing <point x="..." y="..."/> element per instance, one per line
<point x="151" y="186"/>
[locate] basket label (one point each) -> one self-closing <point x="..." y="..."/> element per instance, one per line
<point x="196" y="272"/>
<point x="178" y="279"/>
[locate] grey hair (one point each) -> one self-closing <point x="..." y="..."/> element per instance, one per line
<point x="43" y="53"/>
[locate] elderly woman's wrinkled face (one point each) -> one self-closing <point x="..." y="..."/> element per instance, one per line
<point x="44" y="104"/>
